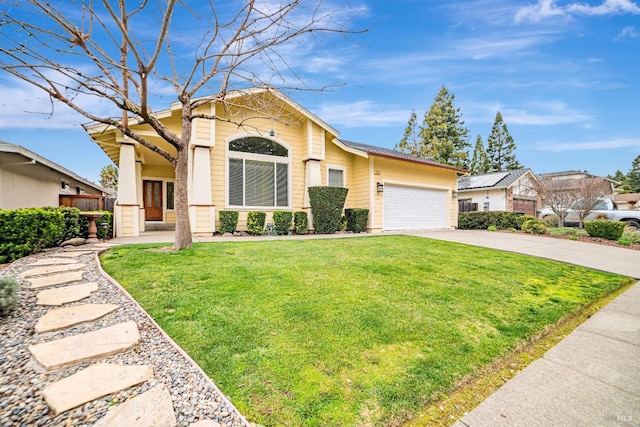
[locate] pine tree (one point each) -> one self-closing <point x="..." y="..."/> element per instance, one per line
<point x="443" y="136"/>
<point x="633" y="176"/>
<point x="479" y="161"/>
<point x="501" y="147"/>
<point x="410" y="142"/>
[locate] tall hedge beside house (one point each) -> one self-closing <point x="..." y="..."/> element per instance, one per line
<point x="26" y="231"/>
<point x="326" y="206"/>
<point x="483" y="220"/>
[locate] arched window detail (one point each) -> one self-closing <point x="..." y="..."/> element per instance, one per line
<point x="258" y="173"/>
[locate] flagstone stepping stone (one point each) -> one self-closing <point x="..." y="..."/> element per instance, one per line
<point x="59" y="318"/>
<point x="92" y="383"/>
<point x="91" y="345"/>
<point x="55" y="279"/>
<point x="53" y="261"/>
<point x="153" y="408"/>
<point x="72" y="254"/>
<point x="65" y="294"/>
<point x="49" y="269"/>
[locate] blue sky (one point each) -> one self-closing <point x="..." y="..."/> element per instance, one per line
<point x="565" y="75"/>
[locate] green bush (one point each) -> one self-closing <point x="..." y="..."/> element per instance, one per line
<point x="629" y="236"/>
<point x="492" y="228"/>
<point x="551" y="220"/>
<point x="357" y="219"/>
<point x="8" y="296"/>
<point x="483" y="220"/>
<point x="105" y="225"/>
<point x="228" y="221"/>
<point x="326" y="207"/>
<point x="73" y="223"/>
<point x="534" y="226"/>
<point x="255" y="223"/>
<point x="282" y="222"/>
<point x="610" y="230"/>
<point x="521" y="219"/>
<point x="301" y="222"/>
<point x="342" y="224"/>
<point x="26" y="231"/>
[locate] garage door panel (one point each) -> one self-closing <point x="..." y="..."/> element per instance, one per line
<point x="414" y="208"/>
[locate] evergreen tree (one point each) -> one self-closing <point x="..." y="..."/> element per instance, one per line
<point x="479" y="161"/>
<point x="443" y="136"/>
<point x="501" y="147"/>
<point x="633" y="176"/>
<point x="410" y="142"/>
<point x="623" y="187"/>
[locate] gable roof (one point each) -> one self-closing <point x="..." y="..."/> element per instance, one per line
<point x="33" y="158"/>
<point x="393" y="154"/>
<point x="491" y="181"/>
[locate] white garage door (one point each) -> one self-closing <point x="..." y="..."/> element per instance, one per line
<point x="407" y="208"/>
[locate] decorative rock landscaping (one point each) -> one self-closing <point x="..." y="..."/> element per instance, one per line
<point x="105" y="361"/>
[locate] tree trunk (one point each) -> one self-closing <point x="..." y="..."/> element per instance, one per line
<point x="183" y="237"/>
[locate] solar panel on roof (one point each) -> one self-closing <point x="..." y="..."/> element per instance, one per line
<point x="486" y="180"/>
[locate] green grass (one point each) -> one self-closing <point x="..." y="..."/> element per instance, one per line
<point x="348" y="331"/>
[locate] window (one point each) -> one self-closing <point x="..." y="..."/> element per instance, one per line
<point x="64" y="185"/>
<point x="79" y="190"/>
<point x="258" y="173"/>
<point x="335" y="177"/>
<point x="170" y="195"/>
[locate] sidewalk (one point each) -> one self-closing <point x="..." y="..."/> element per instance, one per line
<point x="590" y="378"/>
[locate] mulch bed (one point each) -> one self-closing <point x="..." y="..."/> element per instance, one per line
<point x="586" y="239"/>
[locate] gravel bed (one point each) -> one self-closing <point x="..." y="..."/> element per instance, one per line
<point x="22" y="380"/>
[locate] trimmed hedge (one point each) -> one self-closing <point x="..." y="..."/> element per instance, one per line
<point x="228" y="221"/>
<point x="483" y="220"/>
<point x="255" y="223"/>
<point x="521" y="219"/>
<point x="534" y="226"/>
<point x="326" y="206"/>
<point x="606" y="229"/>
<point x="357" y="219"/>
<point x="301" y="222"/>
<point x="282" y="222"/>
<point x="26" y="231"/>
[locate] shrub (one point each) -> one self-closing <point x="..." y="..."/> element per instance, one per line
<point x="534" y="226"/>
<point x="26" y="231"/>
<point x="342" y="224"/>
<point x="629" y="236"/>
<point x="551" y="220"/>
<point x="105" y="225"/>
<point x="357" y="219"/>
<point x="8" y="296"/>
<point x="326" y="207"/>
<point x="282" y="222"/>
<point x="301" y="222"/>
<point x="521" y="219"/>
<point x="73" y="223"/>
<point x="492" y="228"/>
<point x="228" y="221"/>
<point x="610" y="230"/>
<point x="255" y="223"/>
<point x="483" y="220"/>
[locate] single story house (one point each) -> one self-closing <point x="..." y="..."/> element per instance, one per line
<point x="627" y="201"/>
<point x="28" y="180"/>
<point x="268" y="164"/>
<point x="509" y="191"/>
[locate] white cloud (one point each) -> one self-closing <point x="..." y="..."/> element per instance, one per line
<point x="546" y="114"/>
<point x="547" y="9"/>
<point x="600" y="144"/>
<point x="629" y="32"/>
<point x="362" y="114"/>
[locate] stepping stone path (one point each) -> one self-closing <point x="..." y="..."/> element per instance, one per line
<point x="151" y="408"/>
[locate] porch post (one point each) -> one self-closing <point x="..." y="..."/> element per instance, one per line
<point x="127" y="210"/>
<point x="201" y="209"/>
<point x="141" y="213"/>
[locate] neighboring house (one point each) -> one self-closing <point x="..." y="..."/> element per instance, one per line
<point x="627" y="201"/>
<point x="28" y="180"/>
<point x="268" y="165"/>
<point x="509" y="191"/>
<point x="567" y="177"/>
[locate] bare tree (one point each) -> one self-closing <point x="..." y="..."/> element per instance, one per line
<point x="108" y="59"/>
<point x="558" y="195"/>
<point x="589" y="193"/>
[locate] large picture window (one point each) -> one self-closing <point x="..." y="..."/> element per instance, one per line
<point x="258" y="173"/>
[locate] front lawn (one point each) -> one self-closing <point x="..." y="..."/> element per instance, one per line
<point x="348" y="331"/>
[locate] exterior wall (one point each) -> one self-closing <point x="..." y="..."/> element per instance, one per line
<point x="393" y="171"/>
<point x="497" y="199"/>
<point x="34" y="185"/>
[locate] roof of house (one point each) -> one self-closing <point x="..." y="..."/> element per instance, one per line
<point x="393" y="154"/>
<point x="585" y="174"/>
<point x="34" y="158"/>
<point x="493" y="181"/>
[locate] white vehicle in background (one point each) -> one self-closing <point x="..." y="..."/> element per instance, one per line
<point x="604" y="207"/>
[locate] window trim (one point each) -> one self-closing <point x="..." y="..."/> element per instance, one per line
<point x="336" y="167"/>
<point x="260" y="158"/>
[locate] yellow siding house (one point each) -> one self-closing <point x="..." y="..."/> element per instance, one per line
<point x="267" y="165"/>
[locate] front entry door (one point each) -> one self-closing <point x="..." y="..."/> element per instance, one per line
<point x="152" y="200"/>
